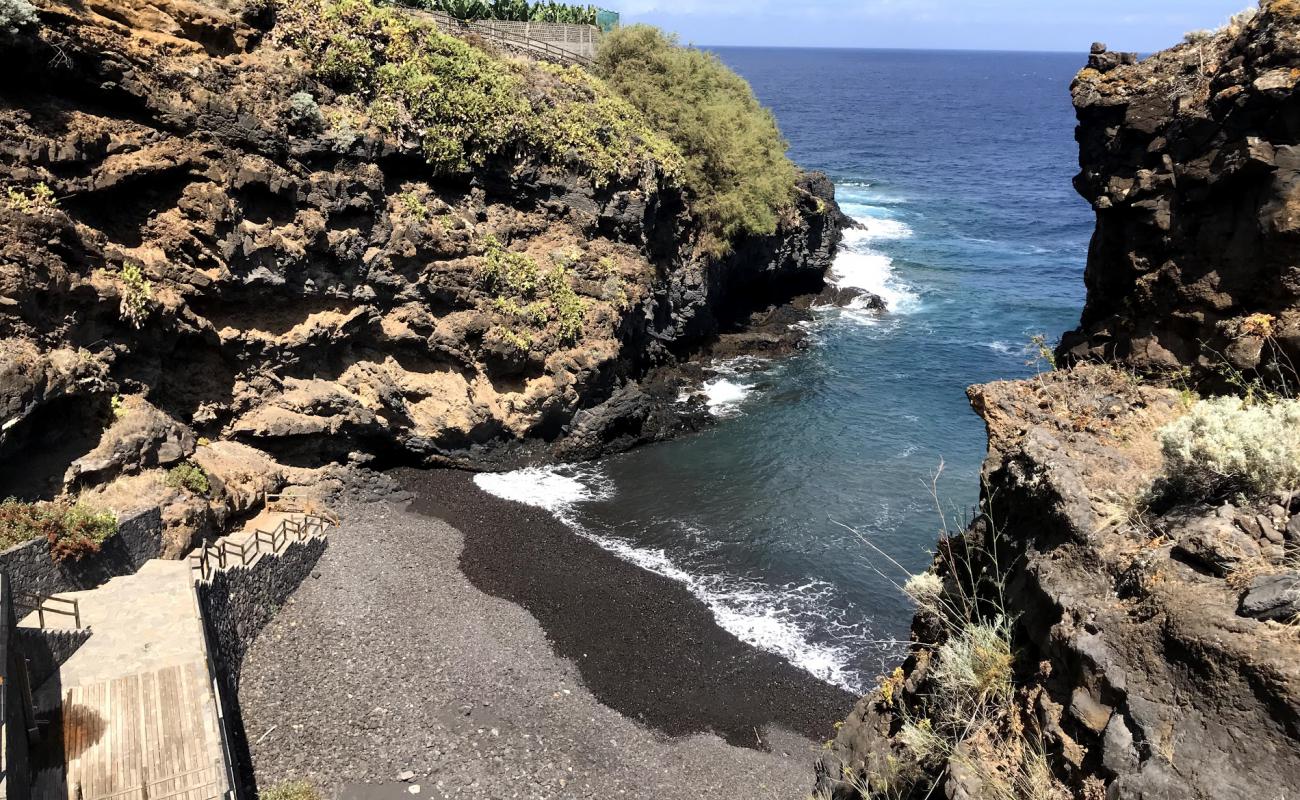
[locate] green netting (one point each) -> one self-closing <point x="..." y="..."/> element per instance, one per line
<point x="606" y="20"/>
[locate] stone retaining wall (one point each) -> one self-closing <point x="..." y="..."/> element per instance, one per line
<point x="33" y="571"/>
<point x="47" y="650"/>
<point x="235" y="605"/>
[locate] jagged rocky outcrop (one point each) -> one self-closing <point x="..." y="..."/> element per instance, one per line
<point x="1152" y="647"/>
<point x="314" y="291"/>
<point x="1191" y="159"/>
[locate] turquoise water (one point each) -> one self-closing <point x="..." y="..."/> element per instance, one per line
<point x="960" y="165"/>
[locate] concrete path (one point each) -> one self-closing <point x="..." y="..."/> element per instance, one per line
<point x="138" y="710"/>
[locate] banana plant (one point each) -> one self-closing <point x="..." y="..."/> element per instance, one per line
<point x="464" y="9"/>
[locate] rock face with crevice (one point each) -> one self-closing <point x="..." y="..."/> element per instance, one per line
<point x="319" y="295"/>
<point x="1191" y="159"/>
<point x="1152" y="650"/>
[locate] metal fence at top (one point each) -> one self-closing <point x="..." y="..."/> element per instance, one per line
<point x="606" y="20"/>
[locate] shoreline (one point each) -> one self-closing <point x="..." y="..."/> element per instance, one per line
<point x="388" y="673"/>
<point x="645" y="646"/>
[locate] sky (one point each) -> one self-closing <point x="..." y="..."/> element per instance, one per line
<point x="1140" y="25"/>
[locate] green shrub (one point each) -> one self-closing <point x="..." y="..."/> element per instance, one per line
<point x="504" y="273"/>
<point x="735" y="160"/>
<point x="462" y="104"/>
<point x="1226" y="444"/>
<point x="21" y="522"/>
<point x="291" y="790"/>
<point x="189" y="476"/>
<point x="73" y="531"/>
<point x="137" y="295"/>
<point x="569" y="308"/>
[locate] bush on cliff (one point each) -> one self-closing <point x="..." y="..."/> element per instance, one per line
<point x="735" y="157"/>
<point x="462" y="104"/>
<point x="1226" y="444"/>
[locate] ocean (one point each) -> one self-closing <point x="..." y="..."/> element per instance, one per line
<point x="960" y="166"/>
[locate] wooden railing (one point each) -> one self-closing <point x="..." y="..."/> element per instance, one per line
<point x="227" y="553"/>
<point x="49" y="604"/>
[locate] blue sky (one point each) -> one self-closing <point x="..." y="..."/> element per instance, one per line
<point x="1142" y="25"/>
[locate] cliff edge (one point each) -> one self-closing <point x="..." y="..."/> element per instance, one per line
<point x="326" y="230"/>
<point x="1101" y="629"/>
<point x="1190" y="159"/>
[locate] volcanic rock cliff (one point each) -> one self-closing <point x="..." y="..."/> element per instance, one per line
<point x="197" y="224"/>
<point x="1091" y="634"/>
<point x="1192" y="162"/>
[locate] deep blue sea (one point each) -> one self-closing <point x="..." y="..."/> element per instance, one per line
<point x="960" y="166"/>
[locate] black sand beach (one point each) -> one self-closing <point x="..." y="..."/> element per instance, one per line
<point x="645" y="646"/>
<point x="514" y="659"/>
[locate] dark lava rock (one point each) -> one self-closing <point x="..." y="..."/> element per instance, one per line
<point x="843" y="296"/>
<point x="1275" y="597"/>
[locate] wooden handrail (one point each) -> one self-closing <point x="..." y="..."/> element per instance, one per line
<point x="35" y="602"/>
<point x="310" y="526"/>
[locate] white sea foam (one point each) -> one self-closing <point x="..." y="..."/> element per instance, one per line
<point x="878" y="229"/>
<point x="772" y="619"/>
<point x="724" y="395"/>
<point x="556" y="489"/>
<point x="873" y="272"/>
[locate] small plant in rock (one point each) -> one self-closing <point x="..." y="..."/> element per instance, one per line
<point x="505" y="273"/>
<point x="190" y="477"/>
<point x="17" y="15"/>
<point x="117" y="404"/>
<point x="40" y="199"/>
<point x="137" y="295"/>
<point x="304" y="114"/>
<point x="413" y="205"/>
<point x="1225" y="445"/>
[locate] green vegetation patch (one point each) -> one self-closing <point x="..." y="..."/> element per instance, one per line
<point x="189" y="476"/>
<point x="528" y="296"/>
<point x="735" y="157"/>
<point x="461" y="103"/>
<point x="291" y="790"/>
<point x="73" y="531"/>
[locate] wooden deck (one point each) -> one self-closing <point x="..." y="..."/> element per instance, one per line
<point x="138" y="711"/>
<point x="149" y="736"/>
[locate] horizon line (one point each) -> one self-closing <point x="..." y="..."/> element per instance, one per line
<point x="1083" y="52"/>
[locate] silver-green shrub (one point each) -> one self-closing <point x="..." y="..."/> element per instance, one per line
<point x="1227" y="443"/>
<point x="15" y="15"/>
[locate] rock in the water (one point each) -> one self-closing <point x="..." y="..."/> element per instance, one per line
<point x="1273" y="597"/>
<point x="844" y="296"/>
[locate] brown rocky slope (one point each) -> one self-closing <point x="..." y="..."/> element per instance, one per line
<point x="307" y="284"/>
<point x="1089" y="635"/>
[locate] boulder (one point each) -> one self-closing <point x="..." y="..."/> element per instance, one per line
<point x="1216" y="545"/>
<point x="1272" y="597"/>
<point x="140" y="437"/>
<point x="845" y="296"/>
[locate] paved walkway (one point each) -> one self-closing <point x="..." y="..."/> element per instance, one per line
<point x="139" y="713"/>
